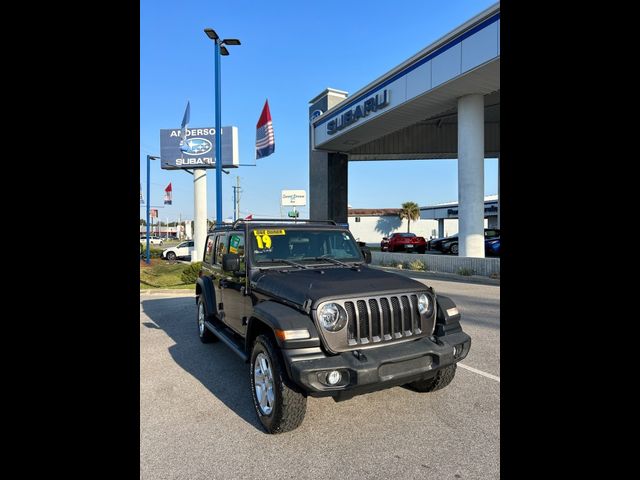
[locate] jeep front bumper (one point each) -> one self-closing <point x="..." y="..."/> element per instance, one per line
<point x="369" y="370"/>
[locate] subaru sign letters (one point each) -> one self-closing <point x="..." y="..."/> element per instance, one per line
<point x="371" y="104"/>
<point x="198" y="150"/>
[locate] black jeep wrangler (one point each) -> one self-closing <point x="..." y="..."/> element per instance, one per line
<point x="297" y="301"/>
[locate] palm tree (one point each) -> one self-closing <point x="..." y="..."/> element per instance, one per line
<point x="410" y="211"/>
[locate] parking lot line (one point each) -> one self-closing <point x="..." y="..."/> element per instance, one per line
<point x="480" y="372"/>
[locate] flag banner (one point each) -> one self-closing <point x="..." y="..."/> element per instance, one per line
<point x="167" y="195"/>
<point x="141" y="199"/>
<point x="249" y="217"/>
<point x="265" y="142"/>
<point x="153" y="213"/>
<point x="183" y="127"/>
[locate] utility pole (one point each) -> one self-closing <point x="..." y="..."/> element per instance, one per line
<point x="236" y="199"/>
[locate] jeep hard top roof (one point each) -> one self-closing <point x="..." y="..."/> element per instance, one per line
<point x="304" y="222"/>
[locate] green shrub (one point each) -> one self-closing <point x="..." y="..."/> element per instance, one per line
<point x="417" y="265"/>
<point x="190" y="274"/>
<point x="466" y="272"/>
<point x="153" y="252"/>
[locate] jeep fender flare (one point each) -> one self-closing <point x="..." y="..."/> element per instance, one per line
<point x="204" y="286"/>
<point x="277" y="316"/>
<point x="447" y="321"/>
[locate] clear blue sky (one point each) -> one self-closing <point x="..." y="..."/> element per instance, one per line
<point x="291" y="51"/>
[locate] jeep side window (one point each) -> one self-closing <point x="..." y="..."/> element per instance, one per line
<point x="221" y="248"/>
<point x="208" y="251"/>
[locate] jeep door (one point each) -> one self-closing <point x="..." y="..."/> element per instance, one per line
<point x="233" y="285"/>
<point x="209" y="267"/>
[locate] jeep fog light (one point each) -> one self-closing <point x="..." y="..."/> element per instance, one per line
<point x="332" y="317"/>
<point x="334" y="377"/>
<point x="457" y="351"/>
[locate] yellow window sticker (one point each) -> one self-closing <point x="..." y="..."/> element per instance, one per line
<point x="264" y="241"/>
<point x="269" y="232"/>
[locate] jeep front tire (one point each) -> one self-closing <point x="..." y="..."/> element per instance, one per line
<point x="278" y="407"/>
<point x="203" y="332"/>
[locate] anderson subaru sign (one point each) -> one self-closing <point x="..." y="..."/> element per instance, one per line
<point x="199" y="148"/>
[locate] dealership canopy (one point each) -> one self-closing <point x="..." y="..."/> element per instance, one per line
<point x="444" y="102"/>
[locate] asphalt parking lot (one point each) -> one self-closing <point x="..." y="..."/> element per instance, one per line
<point x="197" y="419"/>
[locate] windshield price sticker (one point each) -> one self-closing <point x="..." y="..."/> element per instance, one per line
<point x="263" y="237"/>
<point x="268" y="232"/>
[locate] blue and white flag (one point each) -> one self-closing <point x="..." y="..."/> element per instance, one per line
<point x="265" y="141"/>
<point x="183" y="127"/>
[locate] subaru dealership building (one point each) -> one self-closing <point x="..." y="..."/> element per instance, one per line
<point x="442" y="103"/>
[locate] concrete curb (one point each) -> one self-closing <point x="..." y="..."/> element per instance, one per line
<point x="447" y="277"/>
<point x="175" y="291"/>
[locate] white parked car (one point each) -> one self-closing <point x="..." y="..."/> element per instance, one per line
<point x="153" y="240"/>
<point x="182" y="250"/>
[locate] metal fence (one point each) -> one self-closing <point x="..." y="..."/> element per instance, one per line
<point x="441" y="263"/>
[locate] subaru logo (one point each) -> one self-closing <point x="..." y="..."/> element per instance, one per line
<point x="196" y="146"/>
<point x="315" y="114"/>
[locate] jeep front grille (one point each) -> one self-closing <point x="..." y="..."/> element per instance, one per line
<point x="384" y="319"/>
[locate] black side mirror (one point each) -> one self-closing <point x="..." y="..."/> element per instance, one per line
<point x="231" y="262"/>
<point x="365" y="251"/>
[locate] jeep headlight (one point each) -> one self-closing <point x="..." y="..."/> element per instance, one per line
<point x="332" y="317"/>
<point x="425" y="304"/>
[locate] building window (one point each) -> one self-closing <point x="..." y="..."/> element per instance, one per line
<point x="357" y="219"/>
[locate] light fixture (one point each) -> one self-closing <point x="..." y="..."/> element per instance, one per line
<point x="211" y="33"/>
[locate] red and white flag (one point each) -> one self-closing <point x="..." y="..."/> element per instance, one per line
<point x="167" y="195"/>
<point x="265" y="141"/>
<point x="249" y="217"/>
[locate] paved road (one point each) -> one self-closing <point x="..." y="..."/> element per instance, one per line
<point x="197" y="420"/>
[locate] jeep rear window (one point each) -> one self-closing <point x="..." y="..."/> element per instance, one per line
<point x="303" y="245"/>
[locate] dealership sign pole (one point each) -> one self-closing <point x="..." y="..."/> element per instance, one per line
<point x="149" y="158"/>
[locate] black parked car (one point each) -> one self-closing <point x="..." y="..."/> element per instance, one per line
<point x="298" y="302"/>
<point x="450" y="244"/>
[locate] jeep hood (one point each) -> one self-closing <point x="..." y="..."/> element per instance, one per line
<point x="297" y="286"/>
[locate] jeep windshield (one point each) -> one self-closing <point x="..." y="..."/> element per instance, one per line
<point x="303" y="246"/>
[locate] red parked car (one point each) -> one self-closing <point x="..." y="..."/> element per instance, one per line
<point x="399" y="242"/>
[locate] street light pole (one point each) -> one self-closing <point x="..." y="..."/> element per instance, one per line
<point x="218" y="140"/>
<point x="219" y="49"/>
<point x="149" y="158"/>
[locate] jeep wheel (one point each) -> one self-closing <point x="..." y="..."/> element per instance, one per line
<point x="441" y="380"/>
<point x="454" y="249"/>
<point x="171" y="256"/>
<point x="203" y="332"/>
<point x="279" y="408"/>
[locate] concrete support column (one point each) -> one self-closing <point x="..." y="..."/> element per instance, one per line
<point x="471" y="175"/>
<point x="199" y="212"/>
<point x="498" y="191"/>
<point x="440" y="227"/>
<point x="328" y="186"/>
<point x="328" y="171"/>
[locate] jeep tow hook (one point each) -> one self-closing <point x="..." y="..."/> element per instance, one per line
<point x="359" y="355"/>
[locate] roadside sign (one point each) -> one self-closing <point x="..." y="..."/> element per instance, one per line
<point x="293" y="198"/>
<point x="198" y="149"/>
